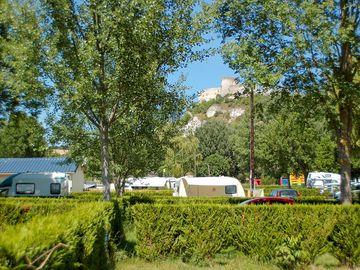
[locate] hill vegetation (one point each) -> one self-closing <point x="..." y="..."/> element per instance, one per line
<point x="291" y="136"/>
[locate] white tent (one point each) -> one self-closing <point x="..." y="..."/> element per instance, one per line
<point x="209" y="186"/>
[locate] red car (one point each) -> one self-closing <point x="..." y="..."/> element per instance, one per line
<point x="268" y="201"/>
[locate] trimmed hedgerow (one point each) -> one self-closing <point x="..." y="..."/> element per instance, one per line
<point x="80" y="239"/>
<point x="287" y="235"/>
<point x="20" y="211"/>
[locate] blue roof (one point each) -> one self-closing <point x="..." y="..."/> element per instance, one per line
<point x="36" y="165"/>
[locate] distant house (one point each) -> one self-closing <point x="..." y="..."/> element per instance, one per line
<point x="9" y="166"/>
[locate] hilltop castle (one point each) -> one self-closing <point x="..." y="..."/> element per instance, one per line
<point x="229" y="86"/>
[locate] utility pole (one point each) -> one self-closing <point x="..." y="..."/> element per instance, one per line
<point x="252" y="142"/>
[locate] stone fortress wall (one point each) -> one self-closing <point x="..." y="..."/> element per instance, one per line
<point x="229" y="86"/>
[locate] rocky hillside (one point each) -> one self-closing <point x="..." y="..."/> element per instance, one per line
<point x="222" y="108"/>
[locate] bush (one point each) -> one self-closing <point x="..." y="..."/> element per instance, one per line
<point x="83" y="236"/>
<point x="19" y="211"/>
<point x="293" y="235"/>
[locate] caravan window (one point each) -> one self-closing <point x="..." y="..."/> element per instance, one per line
<point x="25" y="188"/>
<point x="230" y="189"/>
<point x="55" y="188"/>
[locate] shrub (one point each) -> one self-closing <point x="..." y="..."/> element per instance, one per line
<point x="293" y="235"/>
<point x="19" y="211"/>
<point x="83" y="235"/>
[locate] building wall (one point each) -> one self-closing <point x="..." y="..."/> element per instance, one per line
<point x="78" y="180"/>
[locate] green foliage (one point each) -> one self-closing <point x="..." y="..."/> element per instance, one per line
<point x="289" y="255"/>
<point x="290" y="235"/>
<point x="126" y="50"/>
<point x="325" y="155"/>
<point x="345" y="236"/>
<point x="298" y="48"/>
<point x="213" y="138"/>
<point x="21" y="86"/>
<point x="22" y="136"/>
<point x="183" y="157"/>
<point x="85" y="232"/>
<point x="19" y="211"/>
<point x="214" y="165"/>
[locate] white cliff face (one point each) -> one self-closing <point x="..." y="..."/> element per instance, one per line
<point x="213" y="110"/>
<point x="236" y="112"/>
<point x="192" y="125"/>
<point x="196" y="122"/>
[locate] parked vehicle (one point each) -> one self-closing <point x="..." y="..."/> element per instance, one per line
<point x="209" y="186"/>
<point x="355" y="192"/>
<point x="284" y="193"/>
<point x="325" y="181"/>
<point x="269" y="201"/>
<point x="35" y="185"/>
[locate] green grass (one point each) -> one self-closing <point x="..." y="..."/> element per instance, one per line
<point x="239" y="263"/>
<point x="324" y="262"/>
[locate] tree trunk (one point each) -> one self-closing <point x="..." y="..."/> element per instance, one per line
<point x="119" y="186"/>
<point x="345" y="77"/>
<point x="344" y="150"/>
<point x="104" y="138"/>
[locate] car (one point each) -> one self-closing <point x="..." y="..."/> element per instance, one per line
<point x="292" y="193"/>
<point x="355" y="192"/>
<point x="268" y="201"/>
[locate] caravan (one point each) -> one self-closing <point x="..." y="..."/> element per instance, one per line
<point x="325" y="181"/>
<point x="35" y="185"/>
<point x="209" y="186"/>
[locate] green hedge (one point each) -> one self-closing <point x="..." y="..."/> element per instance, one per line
<point x="20" y="211"/>
<point x="287" y="235"/>
<point x="86" y="232"/>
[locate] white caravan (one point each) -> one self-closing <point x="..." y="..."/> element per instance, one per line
<point x="325" y="181"/>
<point x="35" y="185"/>
<point x="209" y="187"/>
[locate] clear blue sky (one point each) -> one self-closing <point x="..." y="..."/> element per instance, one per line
<point x="205" y="74"/>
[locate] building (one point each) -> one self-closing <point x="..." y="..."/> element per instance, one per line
<point x="229" y="86"/>
<point x="10" y="166"/>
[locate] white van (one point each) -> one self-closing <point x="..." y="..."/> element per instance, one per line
<point x="35" y="185"/>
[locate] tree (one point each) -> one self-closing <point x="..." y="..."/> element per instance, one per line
<point x="22" y="136"/>
<point x="183" y="157"/>
<point x="213" y="138"/>
<point x="309" y="47"/>
<point x="21" y="86"/>
<point x="325" y="155"/>
<point x="108" y="59"/>
<point x="214" y="165"/>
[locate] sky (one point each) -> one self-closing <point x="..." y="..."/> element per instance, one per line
<point x="205" y="74"/>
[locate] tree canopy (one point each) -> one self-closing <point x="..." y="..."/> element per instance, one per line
<point x="308" y="47"/>
<point x="22" y="136"/>
<point x="110" y="60"/>
<point x="21" y="82"/>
